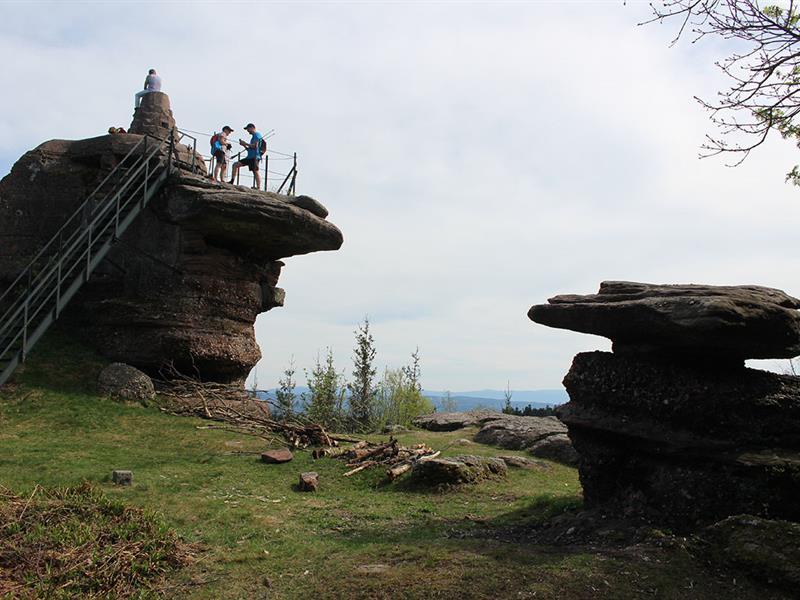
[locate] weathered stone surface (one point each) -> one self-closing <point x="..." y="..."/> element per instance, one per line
<point x="120" y="477"/>
<point x="765" y="549"/>
<point x="188" y="278"/>
<point x="684" y="445"/>
<point x="457" y="470"/>
<point x="281" y="455"/>
<point x="125" y="382"/>
<point x="557" y="448"/>
<point x="308" y="203"/>
<point x="455" y="420"/>
<point x="699" y="322"/>
<point x="520" y="462"/>
<point x="309" y="482"/>
<point x="515" y="433"/>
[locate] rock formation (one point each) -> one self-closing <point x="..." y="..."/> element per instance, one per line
<point x="186" y="281"/>
<point x="543" y="437"/>
<point x="671" y="425"/>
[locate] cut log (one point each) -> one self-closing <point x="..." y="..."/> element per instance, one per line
<point x="309" y="482"/>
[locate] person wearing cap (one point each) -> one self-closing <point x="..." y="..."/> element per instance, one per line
<point x="218" y="150"/>
<point x="253" y="156"/>
<point x="152" y="83"/>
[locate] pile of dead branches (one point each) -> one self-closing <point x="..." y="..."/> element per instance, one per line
<point x="238" y="411"/>
<point x="396" y="459"/>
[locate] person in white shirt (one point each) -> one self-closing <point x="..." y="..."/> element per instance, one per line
<point x="152" y="83"/>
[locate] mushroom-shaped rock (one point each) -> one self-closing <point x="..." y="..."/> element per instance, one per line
<point x="717" y="323"/>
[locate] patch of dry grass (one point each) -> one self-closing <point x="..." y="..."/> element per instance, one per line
<point x="75" y="542"/>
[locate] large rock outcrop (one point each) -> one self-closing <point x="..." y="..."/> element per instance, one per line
<point x="186" y="281"/>
<point x="671" y="425"/>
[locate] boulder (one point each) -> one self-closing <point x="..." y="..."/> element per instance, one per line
<point x="726" y="324"/>
<point x="455" y="420"/>
<point x="516" y="433"/>
<point x="457" y="470"/>
<point x="557" y="448"/>
<point x="125" y="382"/>
<point x="281" y="455"/>
<point x="765" y="549"/>
<point x="395" y="429"/>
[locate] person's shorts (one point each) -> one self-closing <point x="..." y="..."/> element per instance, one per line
<point x="220" y="156"/>
<point x="251" y="163"/>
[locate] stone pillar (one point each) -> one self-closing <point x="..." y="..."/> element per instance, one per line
<point x="153" y="116"/>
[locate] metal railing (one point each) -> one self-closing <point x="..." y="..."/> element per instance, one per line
<point x="36" y="298"/>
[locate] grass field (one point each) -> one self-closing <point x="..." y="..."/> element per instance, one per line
<point x="256" y="537"/>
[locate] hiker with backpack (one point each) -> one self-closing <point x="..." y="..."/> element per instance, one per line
<point x="219" y="144"/>
<point x="256" y="147"/>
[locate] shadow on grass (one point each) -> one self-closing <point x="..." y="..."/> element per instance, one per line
<point x="61" y="364"/>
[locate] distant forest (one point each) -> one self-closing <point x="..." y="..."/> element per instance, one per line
<point x="530" y="411"/>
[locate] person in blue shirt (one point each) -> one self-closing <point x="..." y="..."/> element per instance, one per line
<point x="253" y="156"/>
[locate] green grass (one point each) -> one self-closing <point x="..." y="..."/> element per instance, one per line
<point x="355" y="538"/>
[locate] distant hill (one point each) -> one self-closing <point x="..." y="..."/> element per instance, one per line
<point x="495" y="399"/>
<point x="488" y="399"/>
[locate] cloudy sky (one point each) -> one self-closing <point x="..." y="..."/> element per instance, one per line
<point x="479" y="158"/>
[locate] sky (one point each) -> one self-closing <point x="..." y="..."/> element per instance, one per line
<point x="478" y="157"/>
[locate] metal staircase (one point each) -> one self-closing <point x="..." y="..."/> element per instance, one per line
<point x="38" y="295"/>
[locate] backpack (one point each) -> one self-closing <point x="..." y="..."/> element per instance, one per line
<point x="214" y="141"/>
<point x="262" y="147"/>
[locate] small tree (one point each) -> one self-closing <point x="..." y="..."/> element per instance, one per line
<point x="412" y="372"/>
<point x="507" y="408"/>
<point x="400" y="399"/>
<point x="326" y="393"/>
<point x="362" y="388"/>
<point x="285" y="397"/>
<point x="448" y="402"/>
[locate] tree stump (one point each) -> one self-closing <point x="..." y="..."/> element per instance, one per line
<point x="309" y="482"/>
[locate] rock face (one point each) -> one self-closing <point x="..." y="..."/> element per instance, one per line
<point x="124" y="382"/>
<point x="685" y="442"/>
<point x="186" y="281"/>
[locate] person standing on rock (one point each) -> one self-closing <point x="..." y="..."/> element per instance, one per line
<point x="254" y="150"/>
<point x="152" y="83"/>
<point x="219" y="148"/>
